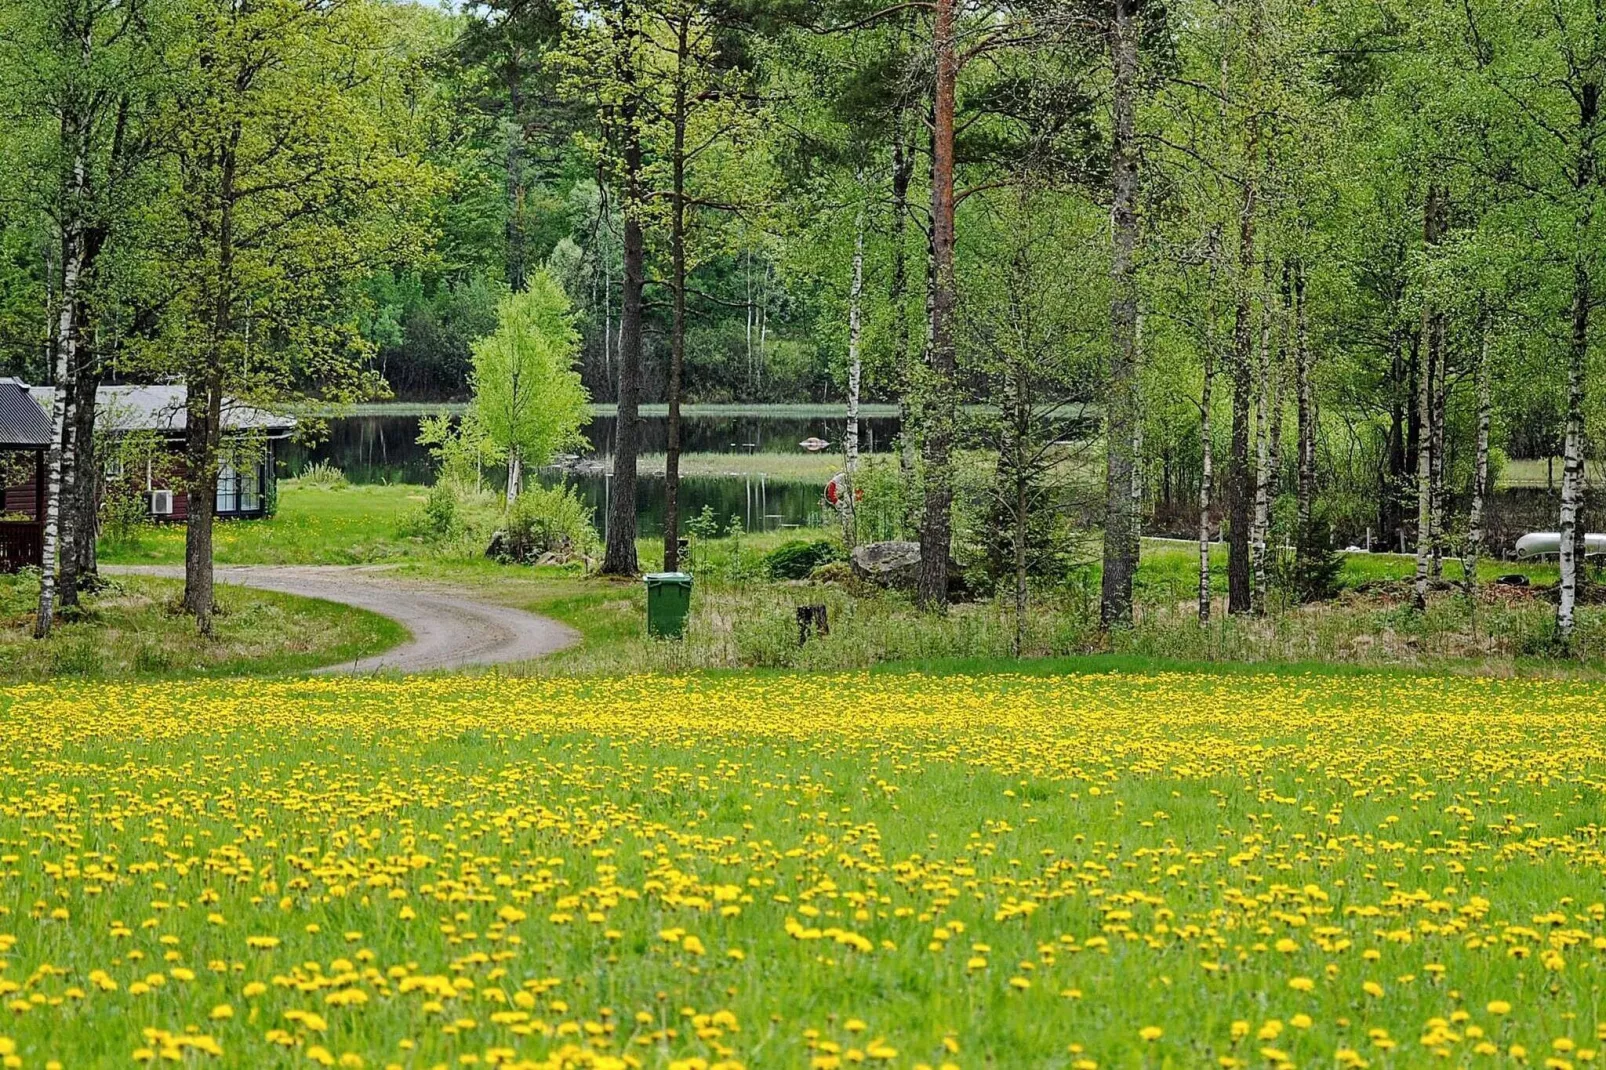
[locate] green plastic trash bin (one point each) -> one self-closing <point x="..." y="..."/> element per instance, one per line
<point x="668" y="604"/>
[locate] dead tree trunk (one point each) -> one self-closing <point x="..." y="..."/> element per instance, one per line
<point x="1122" y="406"/>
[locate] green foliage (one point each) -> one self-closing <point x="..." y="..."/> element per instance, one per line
<point x="324" y="475"/>
<point x="544" y="520"/>
<point x="795" y="560"/>
<point x="528" y="398"/>
<point x="1313" y="571"/>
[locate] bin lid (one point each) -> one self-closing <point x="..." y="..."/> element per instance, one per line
<point x="667" y="579"/>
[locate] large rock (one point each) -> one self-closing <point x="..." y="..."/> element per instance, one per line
<point x="887" y="564"/>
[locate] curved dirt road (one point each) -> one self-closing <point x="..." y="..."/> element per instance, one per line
<point x="450" y="627"/>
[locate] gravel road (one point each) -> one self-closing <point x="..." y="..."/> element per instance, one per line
<point x="451" y="628"/>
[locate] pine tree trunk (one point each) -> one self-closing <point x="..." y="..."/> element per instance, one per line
<point x="677" y="326"/>
<point x="619" y="557"/>
<point x="936" y="527"/>
<point x="619" y="553"/>
<point x="846" y="507"/>
<point x="1122" y="405"/>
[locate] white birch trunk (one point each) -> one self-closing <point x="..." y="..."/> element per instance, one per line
<point x="1572" y="470"/>
<point x="515" y="475"/>
<point x="1480" y="473"/>
<point x="68" y="330"/>
<point x="1262" y="464"/>
<point x="850" y="440"/>
<point x="1207" y="474"/>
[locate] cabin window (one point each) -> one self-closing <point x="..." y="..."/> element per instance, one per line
<point x="251" y="489"/>
<point x="114" y="468"/>
<point x="239" y="492"/>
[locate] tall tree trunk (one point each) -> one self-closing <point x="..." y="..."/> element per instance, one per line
<point x="936" y="526"/>
<point x="677" y="327"/>
<point x="1391" y="479"/>
<point x="1262" y="460"/>
<point x="1424" y="404"/>
<point x="619" y="557"/>
<point x="619" y="554"/>
<point x="1122" y="404"/>
<point x="1441" y="402"/>
<point x="515" y="475"/>
<point x="1572" y="472"/>
<point x="202" y="434"/>
<point x="1305" y="418"/>
<point x="1242" y="492"/>
<point x="1206" y="477"/>
<point x="898" y="291"/>
<point x="1480" y="468"/>
<point x="846" y="507"/>
<point x="81" y="496"/>
<point x="69" y="328"/>
<point x="203" y="414"/>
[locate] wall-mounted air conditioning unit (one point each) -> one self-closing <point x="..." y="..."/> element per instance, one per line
<point x="161" y="503"/>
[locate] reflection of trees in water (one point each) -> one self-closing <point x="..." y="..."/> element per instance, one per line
<point x="385" y="449"/>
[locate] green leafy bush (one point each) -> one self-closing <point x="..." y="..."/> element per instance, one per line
<point x="548" y="520"/>
<point x="796" y="559"/>
<point x="323" y="474"/>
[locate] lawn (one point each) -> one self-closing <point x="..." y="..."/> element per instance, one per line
<point x="132" y="628"/>
<point x="315" y="525"/>
<point x="789" y="871"/>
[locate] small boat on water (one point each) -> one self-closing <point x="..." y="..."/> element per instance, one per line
<point x="815" y="444"/>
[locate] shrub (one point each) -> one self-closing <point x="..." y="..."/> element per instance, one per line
<point x="1314" y="570"/>
<point x="323" y="474"/>
<point x="440" y="511"/>
<point x="548" y="520"/>
<point x="794" y="560"/>
<point x="124" y="516"/>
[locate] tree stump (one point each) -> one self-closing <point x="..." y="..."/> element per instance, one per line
<point x="811" y="620"/>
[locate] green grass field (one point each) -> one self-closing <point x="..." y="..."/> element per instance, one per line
<point x="133" y="629"/>
<point x="1108" y="870"/>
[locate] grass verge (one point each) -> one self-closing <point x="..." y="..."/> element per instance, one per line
<point x="132" y="629"/>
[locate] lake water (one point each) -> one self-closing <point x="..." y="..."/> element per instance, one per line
<point x="385" y="449"/>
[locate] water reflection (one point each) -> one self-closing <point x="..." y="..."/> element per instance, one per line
<point x="385" y="449"/>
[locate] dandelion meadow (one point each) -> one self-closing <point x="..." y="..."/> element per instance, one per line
<point x="1077" y="871"/>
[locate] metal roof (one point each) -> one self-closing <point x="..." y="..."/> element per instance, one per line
<point x="160" y="408"/>
<point x="23" y="424"/>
